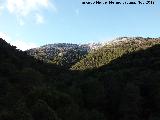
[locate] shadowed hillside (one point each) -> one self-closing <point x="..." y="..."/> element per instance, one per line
<point x="126" y="88"/>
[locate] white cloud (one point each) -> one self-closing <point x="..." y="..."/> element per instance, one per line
<point x="5" y="37"/>
<point x="25" y="7"/>
<point x="20" y="44"/>
<point x="39" y="19"/>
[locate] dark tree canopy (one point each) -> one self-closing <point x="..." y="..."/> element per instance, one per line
<point x="118" y="83"/>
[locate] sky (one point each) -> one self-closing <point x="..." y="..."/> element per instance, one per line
<point x="32" y="23"/>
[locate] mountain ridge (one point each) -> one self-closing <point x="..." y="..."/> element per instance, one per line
<point x="64" y="54"/>
<point x="69" y="55"/>
<point x="126" y="88"/>
<point x="114" y="49"/>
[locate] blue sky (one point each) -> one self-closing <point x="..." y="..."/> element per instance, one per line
<point x="32" y="23"/>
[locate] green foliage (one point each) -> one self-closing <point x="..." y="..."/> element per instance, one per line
<point x="41" y="111"/>
<point x="129" y="108"/>
<point x="124" y="85"/>
<point x="113" y="51"/>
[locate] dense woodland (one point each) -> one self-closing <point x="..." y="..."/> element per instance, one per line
<point x="114" y="50"/>
<point x="62" y="54"/>
<point x="120" y="83"/>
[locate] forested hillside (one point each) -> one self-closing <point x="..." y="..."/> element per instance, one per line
<point x="34" y="90"/>
<point x="126" y="88"/>
<point x="63" y="54"/>
<point x="113" y="50"/>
